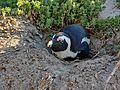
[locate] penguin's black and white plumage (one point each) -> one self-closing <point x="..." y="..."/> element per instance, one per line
<point x="73" y="42"/>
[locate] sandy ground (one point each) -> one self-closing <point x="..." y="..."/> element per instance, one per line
<point x="25" y="63"/>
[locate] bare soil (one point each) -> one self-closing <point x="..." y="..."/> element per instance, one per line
<point x="26" y="64"/>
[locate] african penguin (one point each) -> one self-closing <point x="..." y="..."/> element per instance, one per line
<point x="71" y="43"/>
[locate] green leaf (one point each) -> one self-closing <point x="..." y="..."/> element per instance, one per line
<point x="48" y="22"/>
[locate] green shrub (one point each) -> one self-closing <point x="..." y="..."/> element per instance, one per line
<point x="111" y="25"/>
<point x="6" y="6"/>
<point x="6" y="10"/>
<point x="8" y="3"/>
<point x="24" y="6"/>
<point x="108" y="23"/>
<point x="57" y="13"/>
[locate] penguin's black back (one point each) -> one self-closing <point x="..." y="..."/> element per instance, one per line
<point x="76" y="33"/>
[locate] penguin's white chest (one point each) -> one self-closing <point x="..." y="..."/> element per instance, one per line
<point x="66" y="53"/>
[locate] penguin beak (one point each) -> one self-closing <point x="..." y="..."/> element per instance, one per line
<point x="50" y="44"/>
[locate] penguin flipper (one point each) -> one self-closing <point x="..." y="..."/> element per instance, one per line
<point x="84" y="50"/>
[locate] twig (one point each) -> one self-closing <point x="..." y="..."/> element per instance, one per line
<point x="110" y="76"/>
<point x="103" y="37"/>
<point x="93" y="45"/>
<point x="96" y="55"/>
<point x="113" y="30"/>
<point x="98" y="51"/>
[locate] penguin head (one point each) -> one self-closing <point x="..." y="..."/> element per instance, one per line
<point x="59" y="42"/>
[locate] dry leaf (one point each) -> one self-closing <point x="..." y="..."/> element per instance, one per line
<point x="2" y="68"/>
<point x="45" y="82"/>
<point x="118" y="65"/>
<point x="118" y="54"/>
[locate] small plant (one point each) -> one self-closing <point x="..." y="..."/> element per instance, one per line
<point x="118" y="3"/>
<point x="108" y="23"/>
<point x="24" y="6"/>
<point x="116" y="47"/>
<point x="6" y="6"/>
<point x="6" y="10"/>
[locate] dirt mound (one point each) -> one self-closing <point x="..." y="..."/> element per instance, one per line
<point x="35" y="69"/>
<point x="25" y="64"/>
